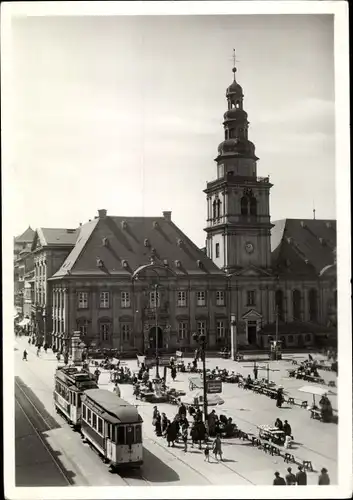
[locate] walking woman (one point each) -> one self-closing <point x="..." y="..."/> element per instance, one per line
<point x="24" y="358"/>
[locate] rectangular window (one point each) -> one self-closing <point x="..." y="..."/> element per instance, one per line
<point x="182" y="299"/>
<point x="89" y="415"/>
<point x="105" y="331"/>
<point x="100" y="426"/>
<point x="126" y="331"/>
<point x="220" y="298"/>
<point x="125" y="300"/>
<point x="104" y="300"/>
<point x="201" y="327"/>
<point x="201" y="298"/>
<point x="138" y="434"/>
<point x="121" y="435"/>
<point x="84" y="412"/>
<point x="94" y="420"/>
<point x="82" y="300"/>
<point x="251" y="298"/>
<point x="82" y="326"/>
<point x="154" y="299"/>
<point x="220" y="329"/>
<point x="217" y="250"/>
<point x="182" y="329"/>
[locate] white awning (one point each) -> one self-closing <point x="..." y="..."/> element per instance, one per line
<point x="24" y="322"/>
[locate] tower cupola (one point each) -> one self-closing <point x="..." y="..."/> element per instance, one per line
<point x="236" y="143"/>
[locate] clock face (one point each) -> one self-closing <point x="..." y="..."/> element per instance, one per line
<point x="249" y="247"/>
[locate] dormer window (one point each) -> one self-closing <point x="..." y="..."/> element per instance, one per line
<point x="146" y="242"/>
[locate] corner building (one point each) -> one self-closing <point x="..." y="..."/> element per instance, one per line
<point x="94" y="290"/>
<point x="272" y="269"/>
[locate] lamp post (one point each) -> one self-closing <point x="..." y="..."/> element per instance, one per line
<point x="200" y="339"/>
<point x="156" y="327"/>
<point x="143" y="271"/>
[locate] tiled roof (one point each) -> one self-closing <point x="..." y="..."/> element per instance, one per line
<point x="25" y="237"/>
<point x="302" y="247"/>
<point x="122" y="244"/>
<point x="55" y="237"/>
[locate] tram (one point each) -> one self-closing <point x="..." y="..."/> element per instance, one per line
<point x="69" y="386"/>
<point x="113" y="427"/>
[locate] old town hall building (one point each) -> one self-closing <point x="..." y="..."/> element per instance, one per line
<point x="137" y="283"/>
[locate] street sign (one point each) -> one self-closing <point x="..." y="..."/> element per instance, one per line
<point x="214" y="386"/>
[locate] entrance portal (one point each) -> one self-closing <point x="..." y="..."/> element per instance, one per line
<point x="156" y="337"/>
<point x="252" y="328"/>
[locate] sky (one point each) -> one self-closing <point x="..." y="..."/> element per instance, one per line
<point x="125" y="113"/>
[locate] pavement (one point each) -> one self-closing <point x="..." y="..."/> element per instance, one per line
<point x="243" y="464"/>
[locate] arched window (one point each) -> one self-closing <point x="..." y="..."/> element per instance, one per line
<point x="253" y="206"/>
<point x="237" y="104"/>
<point x="244" y="205"/>
<point x="226" y="134"/>
<point x="231" y="133"/>
<point x="219" y="208"/>
<point x="296" y="299"/>
<point x="279" y="304"/>
<point x="313" y="304"/>
<point x="214" y="204"/>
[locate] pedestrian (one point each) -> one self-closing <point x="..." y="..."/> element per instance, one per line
<point x="182" y="411"/>
<point x="301" y="477"/>
<point x="66" y="359"/>
<point x="155" y="414"/>
<point x="171" y="433"/>
<point x="290" y="477"/>
<point x="38" y="350"/>
<point x="96" y="374"/>
<point x="279" y="397"/>
<point x="288" y="442"/>
<point x="278" y="480"/>
<point x="184" y="436"/>
<point x="287" y="428"/>
<point x="324" y="478"/>
<point x="207" y="453"/>
<point x="255" y="372"/>
<point x="217" y="447"/>
<point x="24" y="355"/>
<point x="164" y="423"/>
<point x="173" y="372"/>
<point x="158" y="427"/>
<point x="279" y="424"/>
<point x="45" y="347"/>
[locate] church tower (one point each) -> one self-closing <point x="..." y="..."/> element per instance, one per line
<point x="238" y="202"/>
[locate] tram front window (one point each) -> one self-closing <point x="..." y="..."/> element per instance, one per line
<point x="138" y="434"/>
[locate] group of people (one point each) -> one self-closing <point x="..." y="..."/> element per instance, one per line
<point x="180" y="428"/>
<point x="300" y="478"/>
<point x="286" y="428"/>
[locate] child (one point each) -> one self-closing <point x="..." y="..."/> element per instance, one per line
<point x="207" y="453"/>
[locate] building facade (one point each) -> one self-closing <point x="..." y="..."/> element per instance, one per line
<point x="136" y="284"/>
<point x="50" y="247"/>
<point x="22" y="265"/>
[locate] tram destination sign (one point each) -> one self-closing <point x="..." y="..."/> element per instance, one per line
<point x="214" y="386"/>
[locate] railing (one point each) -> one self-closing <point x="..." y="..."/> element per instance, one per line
<point x="239" y="179"/>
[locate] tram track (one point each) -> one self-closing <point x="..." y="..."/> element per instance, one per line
<point x="54" y="459"/>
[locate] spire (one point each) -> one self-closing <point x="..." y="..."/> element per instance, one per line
<point x="236" y="142"/>
<point x="234" y="67"/>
